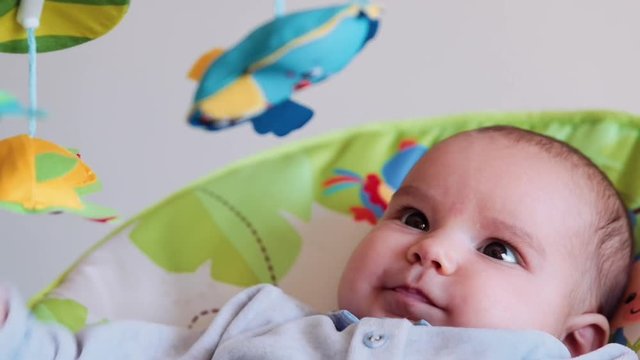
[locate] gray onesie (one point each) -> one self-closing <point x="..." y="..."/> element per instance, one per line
<point x="263" y="323"/>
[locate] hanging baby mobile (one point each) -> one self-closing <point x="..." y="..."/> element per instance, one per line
<point x="38" y="176"/>
<point x="254" y="80"/>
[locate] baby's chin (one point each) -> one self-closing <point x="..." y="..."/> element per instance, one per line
<point x="383" y="313"/>
<point x="436" y="320"/>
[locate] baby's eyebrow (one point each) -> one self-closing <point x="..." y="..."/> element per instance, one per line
<point x="517" y="233"/>
<point x="410" y="191"/>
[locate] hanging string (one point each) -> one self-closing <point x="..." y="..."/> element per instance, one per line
<point x="280" y="8"/>
<point x="33" y="82"/>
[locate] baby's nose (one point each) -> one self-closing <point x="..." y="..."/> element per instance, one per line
<point x="435" y="253"/>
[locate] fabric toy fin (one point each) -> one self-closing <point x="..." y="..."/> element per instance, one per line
<point x="240" y="99"/>
<point x="234" y="103"/>
<point x="282" y="118"/>
<point x="205" y="61"/>
<point x="373" y="30"/>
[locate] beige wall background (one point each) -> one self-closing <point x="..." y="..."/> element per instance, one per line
<point x="122" y="99"/>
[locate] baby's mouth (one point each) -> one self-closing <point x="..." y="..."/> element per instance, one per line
<point x="415" y="294"/>
<point x="411" y="303"/>
<point x="634" y="311"/>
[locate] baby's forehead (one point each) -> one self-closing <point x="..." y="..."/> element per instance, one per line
<point x="534" y="164"/>
<point x="518" y="143"/>
<point x="488" y="148"/>
<point x="484" y="142"/>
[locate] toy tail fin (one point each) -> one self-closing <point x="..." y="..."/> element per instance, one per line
<point x="282" y="118"/>
<point x="201" y="66"/>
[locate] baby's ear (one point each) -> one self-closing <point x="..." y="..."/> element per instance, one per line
<point x="586" y="333"/>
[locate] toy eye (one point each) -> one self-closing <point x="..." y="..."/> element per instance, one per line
<point x="314" y="73"/>
<point x="416" y="220"/>
<point x="630" y="298"/>
<point x="500" y="251"/>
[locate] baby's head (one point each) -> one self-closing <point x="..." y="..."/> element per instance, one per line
<point x="498" y="228"/>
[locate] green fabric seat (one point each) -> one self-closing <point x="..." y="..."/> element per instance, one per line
<point x="291" y="216"/>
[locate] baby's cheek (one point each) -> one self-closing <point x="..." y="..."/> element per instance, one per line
<point x="520" y="309"/>
<point x="631" y="311"/>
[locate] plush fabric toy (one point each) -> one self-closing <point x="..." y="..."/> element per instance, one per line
<point x="63" y="23"/>
<point x="37" y="176"/>
<point x="254" y="80"/>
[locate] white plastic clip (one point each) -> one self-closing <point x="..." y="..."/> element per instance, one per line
<point x="29" y="13"/>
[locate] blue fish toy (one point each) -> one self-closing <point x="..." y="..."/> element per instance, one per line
<point x="254" y="80"/>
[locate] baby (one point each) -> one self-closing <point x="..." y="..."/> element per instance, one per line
<point x="500" y="244"/>
<point x="499" y="228"/>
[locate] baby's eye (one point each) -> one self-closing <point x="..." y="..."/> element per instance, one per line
<point x="501" y="251"/>
<point x="630" y="298"/>
<point x="415" y="219"/>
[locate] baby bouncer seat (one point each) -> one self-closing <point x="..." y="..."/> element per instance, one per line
<point x="291" y="217"/>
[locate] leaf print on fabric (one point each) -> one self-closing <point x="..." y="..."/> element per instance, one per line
<point x="66" y="312"/>
<point x="235" y="220"/>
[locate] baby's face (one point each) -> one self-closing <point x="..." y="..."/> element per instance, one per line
<point x="483" y="233"/>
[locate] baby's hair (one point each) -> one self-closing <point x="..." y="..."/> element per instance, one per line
<point x="614" y="235"/>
